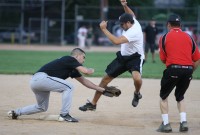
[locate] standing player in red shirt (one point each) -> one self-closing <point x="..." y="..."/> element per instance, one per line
<point x="180" y="54"/>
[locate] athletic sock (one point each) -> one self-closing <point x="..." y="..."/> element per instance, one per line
<point x="182" y="116"/>
<point x="165" y="119"/>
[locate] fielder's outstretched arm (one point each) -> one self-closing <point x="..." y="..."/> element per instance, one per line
<point x="89" y="84"/>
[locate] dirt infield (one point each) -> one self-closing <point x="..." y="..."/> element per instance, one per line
<point x="114" y="116"/>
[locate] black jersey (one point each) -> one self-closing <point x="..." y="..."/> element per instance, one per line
<point x="151" y="33"/>
<point x="63" y="68"/>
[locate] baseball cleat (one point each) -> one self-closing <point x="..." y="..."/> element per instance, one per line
<point x="165" y="128"/>
<point x="88" y="106"/>
<point x="67" y="117"/>
<point x="183" y="127"/>
<point x="136" y="99"/>
<point x="12" y="114"/>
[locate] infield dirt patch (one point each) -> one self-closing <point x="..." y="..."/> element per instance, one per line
<point x="114" y="116"/>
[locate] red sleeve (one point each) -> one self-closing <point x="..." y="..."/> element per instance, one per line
<point x="161" y="52"/>
<point x="196" y="54"/>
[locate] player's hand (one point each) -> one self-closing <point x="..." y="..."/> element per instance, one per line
<point x="123" y="2"/>
<point x="103" y="24"/>
<point x="90" y="71"/>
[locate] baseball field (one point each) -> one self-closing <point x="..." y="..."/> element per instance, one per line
<point x="113" y="115"/>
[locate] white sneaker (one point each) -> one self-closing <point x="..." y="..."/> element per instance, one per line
<point x="67" y="117"/>
<point x="11" y="114"/>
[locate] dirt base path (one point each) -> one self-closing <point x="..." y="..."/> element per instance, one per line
<point x="114" y="116"/>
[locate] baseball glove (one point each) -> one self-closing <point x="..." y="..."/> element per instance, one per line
<point x="111" y="91"/>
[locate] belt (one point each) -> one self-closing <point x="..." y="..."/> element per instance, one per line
<point x="181" y="66"/>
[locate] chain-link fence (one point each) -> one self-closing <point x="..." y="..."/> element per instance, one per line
<point x="45" y="22"/>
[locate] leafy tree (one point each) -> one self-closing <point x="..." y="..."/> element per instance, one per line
<point x="192" y="3"/>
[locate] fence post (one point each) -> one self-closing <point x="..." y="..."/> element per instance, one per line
<point x="22" y="22"/>
<point x="62" y="40"/>
<point x="46" y="26"/>
<point x="42" y="23"/>
<point x="12" y="38"/>
<point x="104" y="9"/>
<point x="28" y="39"/>
<point x="76" y="24"/>
<point x="198" y="20"/>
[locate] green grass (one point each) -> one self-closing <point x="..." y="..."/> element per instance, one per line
<point x="28" y="62"/>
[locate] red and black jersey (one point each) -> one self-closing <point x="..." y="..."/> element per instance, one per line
<point x="177" y="47"/>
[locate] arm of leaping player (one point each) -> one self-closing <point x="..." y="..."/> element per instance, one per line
<point x="126" y="8"/>
<point x="115" y="40"/>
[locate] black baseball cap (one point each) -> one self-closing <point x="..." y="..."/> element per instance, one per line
<point x="125" y="17"/>
<point x="174" y="18"/>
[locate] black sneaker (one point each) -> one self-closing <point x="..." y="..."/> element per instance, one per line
<point x="183" y="127"/>
<point x="136" y="99"/>
<point x="165" y="128"/>
<point x="11" y="114"/>
<point x="88" y="106"/>
<point x="67" y="117"/>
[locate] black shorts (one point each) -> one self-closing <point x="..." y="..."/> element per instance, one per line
<point x="150" y="46"/>
<point x="122" y="64"/>
<point x="175" y="77"/>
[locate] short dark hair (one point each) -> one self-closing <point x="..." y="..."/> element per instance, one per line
<point x="175" y="24"/>
<point x="125" y="17"/>
<point x="76" y="51"/>
<point x="174" y="20"/>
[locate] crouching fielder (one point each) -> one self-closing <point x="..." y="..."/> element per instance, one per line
<point x="51" y="78"/>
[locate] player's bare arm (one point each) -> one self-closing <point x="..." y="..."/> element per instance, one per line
<point x="89" y="84"/>
<point x="126" y="8"/>
<point x="84" y="70"/>
<point x="109" y="91"/>
<point x="196" y="64"/>
<point x="115" y="40"/>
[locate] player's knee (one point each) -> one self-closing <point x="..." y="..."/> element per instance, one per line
<point x="163" y="98"/>
<point x="106" y="80"/>
<point x="69" y="87"/>
<point x="43" y="108"/>
<point x="179" y="99"/>
<point x="137" y="78"/>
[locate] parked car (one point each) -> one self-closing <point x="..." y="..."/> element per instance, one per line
<point x="14" y="36"/>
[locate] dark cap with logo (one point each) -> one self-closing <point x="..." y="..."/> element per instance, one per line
<point x="174" y="18"/>
<point x="124" y="18"/>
